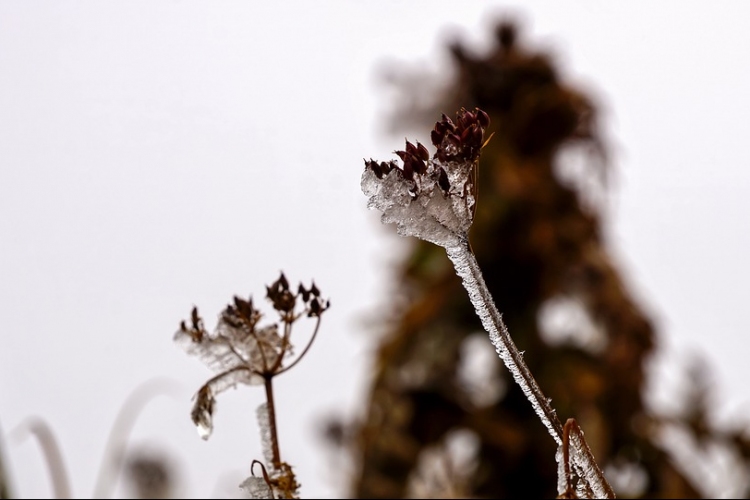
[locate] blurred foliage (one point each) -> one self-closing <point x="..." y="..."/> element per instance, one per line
<point x="540" y="245"/>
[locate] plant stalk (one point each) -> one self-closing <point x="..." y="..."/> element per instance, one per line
<point x="467" y="268"/>
<point x="276" y="454"/>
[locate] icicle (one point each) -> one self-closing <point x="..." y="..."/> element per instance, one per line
<point x="264" y="422"/>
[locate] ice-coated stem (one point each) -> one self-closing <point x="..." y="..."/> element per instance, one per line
<point x="584" y="462"/>
<point x="467" y="268"/>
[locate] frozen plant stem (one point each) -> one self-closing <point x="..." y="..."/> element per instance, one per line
<point x="467" y="269"/>
<point x="434" y="199"/>
<point x="272" y="422"/>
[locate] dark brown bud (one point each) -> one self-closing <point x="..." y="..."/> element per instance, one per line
<point x="196" y="319"/>
<point x="305" y="293"/>
<point x="422" y="152"/>
<point x="408" y="171"/>
<point x="278" y="293"/>
<point x="443" y="180"/>
<point x="244" y="311"/>
<point x="478" y="135"/>
<point x="454" y="140"/>
<point x="315" y="308"/>
<point x="375" y="167"/>
<point x="436" y="137"/>
<point x="467" y="134"/>
<point x="463" y="119"/>
<point x="411" y="148"/>
<point x="448" y="124"/>
<point x="483" y="118"/>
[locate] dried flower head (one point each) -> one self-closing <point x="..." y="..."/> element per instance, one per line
<point x="431" y="198"/>
<point x="240" y="350"/>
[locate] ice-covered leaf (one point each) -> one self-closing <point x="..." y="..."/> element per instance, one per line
<point x="203" y="411"/>
<point x="232" y="346"/>
<point x="256" y="487"/>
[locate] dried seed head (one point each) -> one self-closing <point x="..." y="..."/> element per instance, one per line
<point x="431" y="198"/>
<point x="241" y="352"/>
<point x="314" y="303"/>
<point x="195" y="331"/>
<point x="278" y="293"/>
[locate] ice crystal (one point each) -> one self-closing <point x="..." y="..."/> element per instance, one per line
<point x="264" y="423"/>
<point x="256" y="488"/>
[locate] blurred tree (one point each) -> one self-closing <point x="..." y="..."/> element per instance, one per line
<point x="540" y="246"/>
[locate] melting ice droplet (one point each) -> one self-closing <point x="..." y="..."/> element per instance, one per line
<point x="202" y="412"/>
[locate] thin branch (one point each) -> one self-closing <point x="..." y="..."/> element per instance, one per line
<point x="272" y="422"/>
<point x="260" y="348"/>
<point x="304" y="351"/>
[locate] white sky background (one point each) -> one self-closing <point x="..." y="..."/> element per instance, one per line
<point x="156" y="155"/>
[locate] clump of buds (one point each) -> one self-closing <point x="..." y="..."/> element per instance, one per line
<point x="462" y="140"/>
<point x="431" y="198"/>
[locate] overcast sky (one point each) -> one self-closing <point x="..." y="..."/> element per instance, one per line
<point x="156" y="155"/>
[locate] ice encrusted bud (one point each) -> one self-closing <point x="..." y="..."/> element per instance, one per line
<point x="203" y="411"/>
<point x="431" y="198"/>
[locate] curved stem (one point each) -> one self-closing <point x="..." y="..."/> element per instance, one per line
<point x="51" y="451"/>
<point x="6" y="491"/>
<point x="304" y="351"/>
<point x="123" y="425"/>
